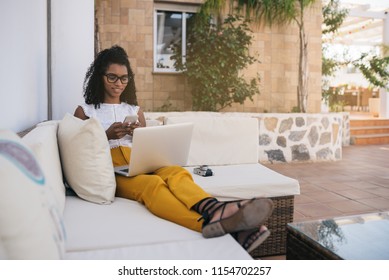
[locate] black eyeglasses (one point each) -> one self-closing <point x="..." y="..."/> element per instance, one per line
<point x="112" y="78"/>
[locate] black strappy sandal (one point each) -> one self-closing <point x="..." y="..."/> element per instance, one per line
<point x="250" y="215"/>
<point x="253" y="238"/>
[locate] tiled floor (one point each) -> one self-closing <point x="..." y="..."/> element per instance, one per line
<point x="359" y="183"/>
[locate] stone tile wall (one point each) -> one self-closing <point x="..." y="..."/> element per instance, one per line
<point x="300" y="137"/>
<point x="290" y="137"/>
<point x="346" y="129"/>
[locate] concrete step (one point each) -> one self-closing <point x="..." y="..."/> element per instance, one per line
<point x="369" y="131"/>
<point x="369" y="122"/>
<point x="366" y="130"/>
<point x="371" y="139"/>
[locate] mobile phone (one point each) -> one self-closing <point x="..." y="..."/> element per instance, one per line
<point x="131" y="119"/>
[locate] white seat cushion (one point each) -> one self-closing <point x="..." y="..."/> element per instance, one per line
<point x="245" y="181"/>
<point x="221" y="248"/>
<point x="125" y="229"/>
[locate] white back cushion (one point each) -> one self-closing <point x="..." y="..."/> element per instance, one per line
<point x="221" y="140"/>
<point x="153" y="123"/>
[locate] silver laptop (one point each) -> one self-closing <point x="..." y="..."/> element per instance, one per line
<point x="158" y="146"/>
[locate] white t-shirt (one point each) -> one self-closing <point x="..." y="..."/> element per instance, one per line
<point x="107" y="114"/>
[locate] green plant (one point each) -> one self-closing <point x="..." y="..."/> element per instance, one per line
<point x="329" y="65"/>
<point x="333" y="16"/>
<point x="334" y="98"/>
<point x="215" y="55"/>
<point x="374" y="69"/>
<point x="167" y="106"/>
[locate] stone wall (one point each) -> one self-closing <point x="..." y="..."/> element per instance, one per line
<point x="290" y="137"/>
<point x="346" y="129"/>
<point x="298" y="137"/>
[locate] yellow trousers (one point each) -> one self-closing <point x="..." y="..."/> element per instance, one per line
<point x="169" y="192"/>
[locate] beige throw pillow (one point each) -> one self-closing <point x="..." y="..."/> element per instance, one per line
<point x="86" y="159"/>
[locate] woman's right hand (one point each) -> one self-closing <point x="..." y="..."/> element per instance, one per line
<point x="117" y="130"/>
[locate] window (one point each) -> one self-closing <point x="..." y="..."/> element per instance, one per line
<point x="169" y="30"/>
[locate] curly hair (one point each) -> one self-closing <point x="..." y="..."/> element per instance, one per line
<point x="93" y="83"/>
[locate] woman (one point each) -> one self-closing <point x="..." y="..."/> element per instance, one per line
<point x="170" y="192"/>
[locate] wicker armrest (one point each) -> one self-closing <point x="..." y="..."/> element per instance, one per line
<point x="277" y="222"/>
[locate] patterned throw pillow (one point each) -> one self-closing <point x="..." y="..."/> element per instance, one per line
<point x="30" y="223"/>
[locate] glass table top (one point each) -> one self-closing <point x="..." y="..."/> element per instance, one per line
<point x="362" y="237"/>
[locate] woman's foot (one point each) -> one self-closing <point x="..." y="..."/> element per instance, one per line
<point x="232" y="216"/>
<point x="251" y="239"/>
<point x="226" y="209"/>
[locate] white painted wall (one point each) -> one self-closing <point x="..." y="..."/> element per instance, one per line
<point x="23" y="77"/>
<point x="23" y="56"/>
<point x="73" y="51"/>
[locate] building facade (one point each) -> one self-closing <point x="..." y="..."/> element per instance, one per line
<point x="135" y="25"/>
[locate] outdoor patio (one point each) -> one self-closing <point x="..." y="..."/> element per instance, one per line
<point x="359" y="183"/>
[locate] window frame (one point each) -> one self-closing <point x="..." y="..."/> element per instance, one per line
<point x="184" y="10"/>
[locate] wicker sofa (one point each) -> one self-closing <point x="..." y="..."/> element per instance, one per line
<point x="87" y="224"/>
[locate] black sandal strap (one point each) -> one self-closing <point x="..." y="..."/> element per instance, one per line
<point x="203" y="204"/>
<point x="247" y="240"/>
<point x="207" y="207"/>
<point x="207" y="215"/>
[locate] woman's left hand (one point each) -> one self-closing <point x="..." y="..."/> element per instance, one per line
<point x="133" y="126"/>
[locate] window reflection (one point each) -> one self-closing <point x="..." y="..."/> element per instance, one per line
<point x="327" y="233"/>
<point x="170" y="33"/>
